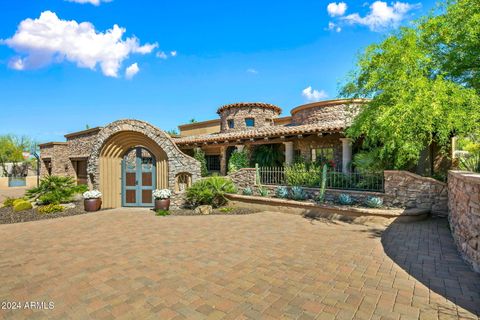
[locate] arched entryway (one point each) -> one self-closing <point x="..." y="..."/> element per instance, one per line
<point x="120" y="189"/>
<point x="138" y="177"/>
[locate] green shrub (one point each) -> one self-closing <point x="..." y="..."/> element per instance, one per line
<point x="281" y="192"/>
<point x="55" y="189"/>
<point x="22" y="205"/>
<point x="303" y="174"/>
<point x="16" y="201"/>
<point x="470" y="162"/>
<point x="210" y="191"/>
<point x="238" y="160"/>
<point x="199" y="155"/>
<point x="8" y="202"/>
<point x="373" y="202"/>
<point x="263" y="191"/>
<point x="345" y="199"/>
<point x="50" y="208"/>
<point x="162" y="213"/>
<point x="226" y="209"/>
<point x="298" y="193"/>
<point x="247" y="191"/>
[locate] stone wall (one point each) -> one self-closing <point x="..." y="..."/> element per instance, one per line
<point x="464" y="214"/>
<point x="59" y="156"/>
<point x="306" y="145"/>
<point x="243" y="178"/>
<point x="81" y="145"/>
<point x="338" y="112"/>
<point x="263" y="117"/>
<point x="409" y="190"/>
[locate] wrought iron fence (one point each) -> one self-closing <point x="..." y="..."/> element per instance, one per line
<point x="312" y="177"/>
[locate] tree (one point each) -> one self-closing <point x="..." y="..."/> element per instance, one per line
<point x="414" y="100"/>
<point x="11" y="151"/>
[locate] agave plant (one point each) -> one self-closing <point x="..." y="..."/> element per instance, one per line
<point x="373" y="202"/>
<point x="345" y="199"/>
<point x="281" y="192"/>
<point x="298" y="193"/>
<point x="247" y="191"/>
<point x="263" y="191"/>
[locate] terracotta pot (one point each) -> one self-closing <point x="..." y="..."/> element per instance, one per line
<point x="162" y="204"/>
<point x="92" y="205"/>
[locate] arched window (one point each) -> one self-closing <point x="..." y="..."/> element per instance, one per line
<point x="183" y="181"/>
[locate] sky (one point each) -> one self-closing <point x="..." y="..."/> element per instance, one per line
<point x="66" y="65"/>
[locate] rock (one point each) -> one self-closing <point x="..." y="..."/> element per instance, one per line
<point x="204" y="209"/>
<point x="68" y="205"/>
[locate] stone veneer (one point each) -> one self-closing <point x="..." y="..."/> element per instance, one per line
<point x="178" y="162"/>
<point x="320" y="112"/>
<point x="263" y="117"/>
<point x="58" y="154"/>
<point x="409" y="190"/>
<point x="464" y="214"/>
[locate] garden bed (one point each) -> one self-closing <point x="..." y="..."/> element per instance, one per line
<point x="8" y="216"/>
<point x="218" y="211"/>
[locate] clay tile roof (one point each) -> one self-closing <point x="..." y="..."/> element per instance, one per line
<point x="264" y="132"/>
<point x="249" y="104"/>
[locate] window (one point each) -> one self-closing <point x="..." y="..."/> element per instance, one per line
<point x="213" y="162"/>
<point x="269" y="122"/>
<point x="323" y="155"/>
<point x="231" y="123"/>
<point x="250" y="122"/>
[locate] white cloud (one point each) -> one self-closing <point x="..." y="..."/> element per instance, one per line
<point x="313" y="95"/>
<point x="162" y="55"/>
<point x="336" y="9"/>
<point x="48" y="39"/>
<point x="252" y="71"/>
<point x="382" y="16"/>
<point x="173" y="53"/>
<point x="131" y="71"/>
<point x="94" y="2"/>
<point x="334" y="26"/>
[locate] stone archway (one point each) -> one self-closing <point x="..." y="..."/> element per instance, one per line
<point x="104" y="164"/>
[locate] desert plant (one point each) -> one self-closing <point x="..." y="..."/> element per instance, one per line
<point x="345" y="199"/>
<point x="162" y="213"/>
<point x="298" y="193"/>
<point x="470" y="162"/>
<point x="373" y="202"/>
<point x="9" y="202"/>
<point x="281" y="192"/>
<point x="323" y="184"/>
<point x="303" y="174"/>
<point x="226" y="209"/>
<point x="210" y="191"/>
<point x="55" y="189"/>
<point x="50" y="208"/>
<point x="263" y="191"/>
<point x="199" y="155"/>
<point x="247" y="191"/>
<point x="238" y="160"/>
<point x="22" y="206"/>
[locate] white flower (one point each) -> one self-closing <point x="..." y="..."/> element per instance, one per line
<point x="94" y="194"/>
<point x="161" y="194"/>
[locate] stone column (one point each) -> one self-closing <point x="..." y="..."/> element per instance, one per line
<point x="240" y="147"/>
<point x="223" y="160"/>
<point x="346" y="154"/>
<point x="288" y="152"/>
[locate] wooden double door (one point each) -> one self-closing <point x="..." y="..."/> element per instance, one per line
<point x="138" y="178"/>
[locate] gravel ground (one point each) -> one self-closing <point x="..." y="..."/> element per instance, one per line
<point x="7" y="215"/>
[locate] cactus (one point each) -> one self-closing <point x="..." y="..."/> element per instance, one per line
<point x="247" y="191"/>
<point x="373" y="202"/>
<point x="323" y="185"/>
<point x="345" y="199"/>
<point x="281" y="192"/>
<point x="298" y="193"/>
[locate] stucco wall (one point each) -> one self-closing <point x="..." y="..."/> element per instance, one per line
<point x="464" y="214"/>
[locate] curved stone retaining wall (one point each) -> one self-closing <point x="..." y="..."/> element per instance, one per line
<point x="464" y="214"/>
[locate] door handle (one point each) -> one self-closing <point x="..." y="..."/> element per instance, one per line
<point x="136" y="182"/>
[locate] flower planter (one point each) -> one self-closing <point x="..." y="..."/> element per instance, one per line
<point x="162" y="204"/>
<point x="92" y="205"/>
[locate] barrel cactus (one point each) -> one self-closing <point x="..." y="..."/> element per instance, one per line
<point x="373" y="202"/>
<point x="345" y="199"/>
<point x="281" y="192"/>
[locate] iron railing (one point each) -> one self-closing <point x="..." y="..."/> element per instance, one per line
<point x="312" y="178"/>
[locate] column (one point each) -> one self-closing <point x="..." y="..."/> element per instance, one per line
<point x="223" y="160"/>
<point x="240" y="147"/>
<point x="288" y="152"/>
<point x="346" y="154"/>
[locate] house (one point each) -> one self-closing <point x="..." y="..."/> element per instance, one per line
<point x="127" y="159"/>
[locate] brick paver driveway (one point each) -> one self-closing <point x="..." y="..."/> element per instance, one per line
<point x="133" y="265"/>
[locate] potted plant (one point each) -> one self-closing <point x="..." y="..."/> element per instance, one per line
<point x="92" y="200"/>
<point x="162" y="199"/>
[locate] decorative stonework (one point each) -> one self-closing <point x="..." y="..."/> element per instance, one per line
<point x="335" y="111"/>
<point x="58" y="155"/>
<point x="263" y="116"/>
<point x="243" y="178"/>
<point x="409" y="190"/>
<point x="81" y="145"/>
<point x="464" y="214"/>
<point x="177" y="161"/>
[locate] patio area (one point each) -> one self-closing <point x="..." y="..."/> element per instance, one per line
<point x="131" y="264"/>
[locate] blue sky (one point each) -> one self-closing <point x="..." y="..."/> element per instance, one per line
<point x="185" y="58"/>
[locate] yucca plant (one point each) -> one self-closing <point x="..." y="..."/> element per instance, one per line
<point x="470" y="162"/>
<point x="55" y="189"/>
